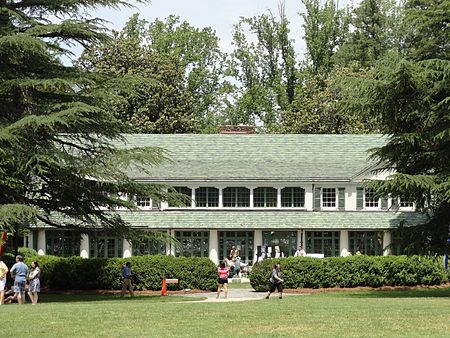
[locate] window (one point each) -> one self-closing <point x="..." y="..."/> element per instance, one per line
<point x="329" y="197"/>
<point x="236" y="197"/>
<point x="292" y="197"/>
<point x="286" y="240"/>
<point x="193" y="243"/>
<point x="185" y="200"/>
<point x="323" y="242"/>
<point x="143" y="202"/>
<point x="369" y="199"/>
<point x="366" y="242"/>
<point x="207" y="197"/>
<point x="149" y="248"/>
<point x="404" y="203"/>
<point x="242" y="240"/>
<point x="62" y="243"/>
<point x="105" y="246"/>
<point x="265" y="197"/>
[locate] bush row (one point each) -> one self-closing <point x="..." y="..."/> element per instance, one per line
<point x="306" y="272"/>
<point x="76" y="273"/>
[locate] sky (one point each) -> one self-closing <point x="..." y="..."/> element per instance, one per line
<point x="220" y="15"/>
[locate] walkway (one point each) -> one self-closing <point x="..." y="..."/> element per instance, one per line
<point x="236" y="295"/>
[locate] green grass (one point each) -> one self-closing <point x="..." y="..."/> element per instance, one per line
<point x="410" y="313"/>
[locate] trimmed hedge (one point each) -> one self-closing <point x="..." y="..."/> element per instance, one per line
<point x="76" y="273"/>
<point x="307" y="272"/>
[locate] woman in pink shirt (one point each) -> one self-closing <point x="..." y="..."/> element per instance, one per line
<point x="223" y="279"/>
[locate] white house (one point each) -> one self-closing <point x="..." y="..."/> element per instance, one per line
<point x="256" y="190"/>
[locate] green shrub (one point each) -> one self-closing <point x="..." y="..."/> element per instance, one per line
<point x="307" y="272"/>
<point x="76" y="273"/>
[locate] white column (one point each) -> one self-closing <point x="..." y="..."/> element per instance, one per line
<point x="387" y="239"/>
<point x="343" y="243"/>
<point x="299" y="238"/>
<point x="41" y="242"/>
<point x="30" y="240"/>
<point x="214" y="246"/>
<point x="251" y="197"/>
<point x="220" y="197"/>
<point x="193" y="197"/>
<point x="170" y="249"/>
<point x="84" y="246"/>
<point x="126" y="249"/>
<point x="257" y="240"/>
<point x="278" y="197"/>
<point x="309" y="198"/>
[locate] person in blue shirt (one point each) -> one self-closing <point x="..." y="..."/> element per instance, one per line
<point x="19" y="272"/>
<point x="126" y="279"/>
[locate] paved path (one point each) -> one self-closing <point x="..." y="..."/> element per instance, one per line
<point x="236" y="295"/>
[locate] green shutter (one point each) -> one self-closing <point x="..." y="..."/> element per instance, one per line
<point x="317" y="192"/>
<point x="394" y="203"/>
<point x="384" y="203"/>
<point x="341" y="199"/>
<point x="359" y="198"/>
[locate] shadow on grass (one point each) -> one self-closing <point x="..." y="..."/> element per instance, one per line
<point x="399" y="293"/>
<point x="93" y="297"/>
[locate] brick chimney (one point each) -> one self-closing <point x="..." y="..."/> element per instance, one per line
<point x="232" y="129"/>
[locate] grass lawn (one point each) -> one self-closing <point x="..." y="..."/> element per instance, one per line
<point x="412" y="313"/>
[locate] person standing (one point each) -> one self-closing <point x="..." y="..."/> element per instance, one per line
<point x="19" y="272"/>
<point x="275" y="281"/>
<point x="126" y="279"/>
<point x="300" y="252"/>
<point x="223" y="272"/>
<point x="35" y="283"/>
<point x="3" y="271"/>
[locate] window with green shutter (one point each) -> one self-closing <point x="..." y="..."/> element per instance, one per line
<point x="359" y="198"/>
<point x="328" y="197"/>
<point x="341" y="198"/>
<point x="370" y="201"/>
<point x="384" y="203"/>
<point x="317" y="198"/>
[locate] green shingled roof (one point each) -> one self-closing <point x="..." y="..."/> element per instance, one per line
<point x="258" y="156"/>
<point x="192" y="219"/>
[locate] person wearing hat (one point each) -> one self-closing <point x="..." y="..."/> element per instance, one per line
<point x="19" y="272"/>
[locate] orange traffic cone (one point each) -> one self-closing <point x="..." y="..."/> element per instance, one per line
<point x="164" y="288"/>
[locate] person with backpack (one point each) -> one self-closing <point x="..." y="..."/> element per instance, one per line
<point x="275" y="281"/>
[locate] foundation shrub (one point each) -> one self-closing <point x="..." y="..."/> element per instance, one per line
<point x="373" y="271"/>
<point x="76" y="273"/>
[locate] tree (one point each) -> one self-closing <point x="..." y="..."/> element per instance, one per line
<point x="325" y="28"/>
<point x="180" y="74"/>
<point x="59" y="160"/>
<point x="373" y="33"/>
<point x="411" y="91"/>
<point x="320" y="106"/>
<point x="266" y="71"/>
<point x="198" y="54"/>
<point x="158" y="100"/>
